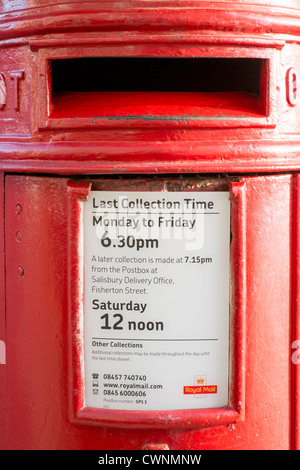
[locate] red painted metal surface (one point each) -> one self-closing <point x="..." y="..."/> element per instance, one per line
<point x="38" y="341"/>
<point x="295" y="320"/>
<point x="3" y="403"/>
<point x="246" y="138"/>
<point x="92" y="135"/>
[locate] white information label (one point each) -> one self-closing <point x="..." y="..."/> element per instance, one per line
<point x="156" y="300"/>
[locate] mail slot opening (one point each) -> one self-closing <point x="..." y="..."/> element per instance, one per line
<point x="158" y="87"/>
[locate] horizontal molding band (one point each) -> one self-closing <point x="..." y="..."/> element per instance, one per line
<point x="143" y="16"/>
<point x="152" y="157"/>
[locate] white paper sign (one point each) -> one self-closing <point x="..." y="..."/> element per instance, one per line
<point x="156" y="300"/>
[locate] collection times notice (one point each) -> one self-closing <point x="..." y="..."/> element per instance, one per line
<point x="156" y="289"/>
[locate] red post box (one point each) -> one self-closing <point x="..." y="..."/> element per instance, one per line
<point x="149" y="237"/>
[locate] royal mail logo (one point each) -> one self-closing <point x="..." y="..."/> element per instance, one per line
<point x="200" y="380"/>
<point x="199" y="389"/>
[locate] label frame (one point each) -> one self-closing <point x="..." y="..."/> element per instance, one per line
<point x="78" y="191"/>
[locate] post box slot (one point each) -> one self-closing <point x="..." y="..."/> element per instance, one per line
<point x="159" y="88"/>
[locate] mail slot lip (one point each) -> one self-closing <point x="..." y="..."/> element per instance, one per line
<point x="60" y="120"/>
<point x="178" y="107"/>
<point x="78" y="191"/>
